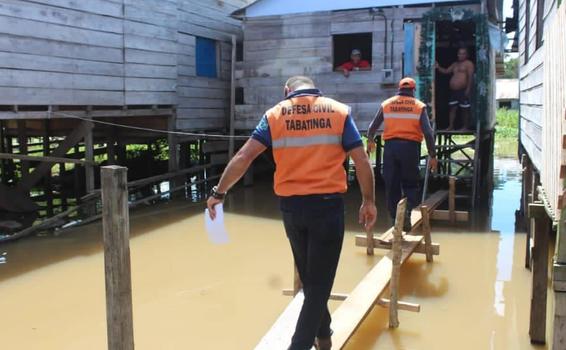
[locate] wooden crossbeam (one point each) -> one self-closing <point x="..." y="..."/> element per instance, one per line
<point x="29" y="180"/>
<point x="402" y="305"/>
<point x="333" y="296"/>
<point x="378" y="244"/>
<point x="444" y="215"/>
<point x="431" y="203"/>
<point x="350" y="314"/>
<point x="46" y="159"/>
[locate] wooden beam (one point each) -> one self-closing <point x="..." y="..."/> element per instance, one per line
<point x="349" y="315"/>
<point x="431" y="203"/>
<point x="401" y="305"/>
<point x="444" y="215"/>
<point x="537" y="328"/>
<point x="420" y="249"/>
<point x="396" y="263"/>
<point x="27" y="182"/>
<point x="116" y="232"/>
<point x="231" y="122"/>
<point x="89" y="156"/>
<point x="46" y="159"/>
<point x="452" y="199"/>
<point x="23" y="146"/>
<point x="426" y="233"/>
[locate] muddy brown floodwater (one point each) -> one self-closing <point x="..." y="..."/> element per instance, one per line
<point x="190" y="294"/>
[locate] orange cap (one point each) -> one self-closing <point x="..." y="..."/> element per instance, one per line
<point x="407" y="83"/>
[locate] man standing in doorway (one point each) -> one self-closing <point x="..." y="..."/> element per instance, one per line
<point x="311" y="137"/>
<point x="406" y="123"/>
<point x="460" y="87"/>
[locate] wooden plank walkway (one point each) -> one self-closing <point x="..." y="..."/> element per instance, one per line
<point x="351" y="313"/>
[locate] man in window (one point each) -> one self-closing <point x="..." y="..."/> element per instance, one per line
<point x="461" y="84"/>
<point x="355" y="63"/>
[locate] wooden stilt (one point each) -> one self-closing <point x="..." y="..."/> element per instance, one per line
<point x="48" y="190"/>
<point x="537" y="328"/>
<point x="370" y="242"/>
<point x="452" y="199"/>
<point x="3" y="175"/>
<point x="77" y="179"/>
<point x="116" y="232"/>
<point x="396" y="263"/>
<point x="23" y="146"/>
<point x="527" y="180"/>
<point x="426" y="233"/>
<point x="63" y="194"/>
<point x="89" y="157"/>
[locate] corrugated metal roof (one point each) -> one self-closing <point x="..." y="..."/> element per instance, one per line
<point x="279" y="7"/>
<point x="507" y="89"/>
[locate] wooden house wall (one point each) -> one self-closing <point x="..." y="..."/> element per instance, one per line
<point x="117" y="52"/>
<point x="203" y="103"/>
<point x="277" y="47"/>
<point x="531" y="76"/>
<point x="61" y="52"/>
<point x="554" y="112"/>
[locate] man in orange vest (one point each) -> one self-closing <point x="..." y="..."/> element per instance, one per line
<point x="311" y="137"/>
<point x="406" y="123"/>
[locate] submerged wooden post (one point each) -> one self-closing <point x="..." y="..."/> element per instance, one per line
<point x="397" y="249"/>
<point x="370" y="243"/>
<point x="452" y="199"/>
<point x="116" y="231"/>
<point x="425" y="226"/>
<point x="537" y="328"/>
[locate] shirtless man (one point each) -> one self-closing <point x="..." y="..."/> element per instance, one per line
<point x="460" y="87"/>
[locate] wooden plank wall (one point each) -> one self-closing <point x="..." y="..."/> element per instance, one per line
<point x="61" y="52"/>
<point x="277" y="47"/>
<point x="531" y="75"/>
<point x="554" y="110"/>
<point x="150" y="45"/>
<point x="117" y="52"/>
<point x="204" y="102"/>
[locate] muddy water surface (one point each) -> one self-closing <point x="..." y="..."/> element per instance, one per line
<point x="189" y="294"/>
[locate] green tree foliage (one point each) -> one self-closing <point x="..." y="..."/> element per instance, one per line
<point x="511" y="69"/>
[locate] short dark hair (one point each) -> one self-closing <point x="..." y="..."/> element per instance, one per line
<point x="297" y="81"/>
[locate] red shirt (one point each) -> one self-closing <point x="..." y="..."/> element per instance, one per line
<point x="350" y="65"/>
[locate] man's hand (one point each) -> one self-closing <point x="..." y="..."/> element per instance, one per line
<point x="368" y="215"/>
<point x="371" y="146"/>
<point x="433" y="164"/>
<point x="211" y="203"/>
<point x="346" y="72"/>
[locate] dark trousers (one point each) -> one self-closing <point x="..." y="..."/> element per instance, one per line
<point x="401" y="173"/>
<point x="315" y="228"/>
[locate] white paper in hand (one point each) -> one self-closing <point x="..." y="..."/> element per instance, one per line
<point x="215" y="228"/>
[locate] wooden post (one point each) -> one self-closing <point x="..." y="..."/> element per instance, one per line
<point x="425" y="227"/>
<point x="527" y="180"/>
<point x="23" y="146"/>
<point x="297" y="284"/>
<point x="116" y="230"/>
<point x="62" y="172"/>
<point x="397" y="249"/>
<point x="232" y="99"/>
<point x="48" y="190"/>
<point x="370" y="243"/>
<point x="89" y="157"/>
<point x="537" y="328"/>
<point x="452" y="199"/>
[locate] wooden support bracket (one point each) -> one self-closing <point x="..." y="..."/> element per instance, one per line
<point x="397" y="249"/>
<point x="402" y="305"/>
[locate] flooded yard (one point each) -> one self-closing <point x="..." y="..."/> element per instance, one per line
<point x="190" y="294"/>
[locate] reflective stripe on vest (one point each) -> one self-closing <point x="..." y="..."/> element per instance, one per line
<point x="308" y="141"/>
<point x="306" y="133"/>
<point x="402" y="116"/>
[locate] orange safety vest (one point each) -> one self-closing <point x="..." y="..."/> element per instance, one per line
<point x="306" y="133"/>
<point x="402" y="118"/>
